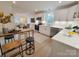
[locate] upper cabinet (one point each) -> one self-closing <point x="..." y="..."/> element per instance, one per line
<point x="61" y="15"/>
<point x="66" y="14"/>
<point x="71" y="11"/>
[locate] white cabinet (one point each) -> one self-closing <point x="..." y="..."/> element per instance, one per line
<point x="66" y="14"/>
<point x="44" y="29"/>
<point x="50" y="31"/>
<point x="71" y="11"/>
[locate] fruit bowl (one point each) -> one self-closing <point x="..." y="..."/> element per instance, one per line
<point x="72" y="33"/>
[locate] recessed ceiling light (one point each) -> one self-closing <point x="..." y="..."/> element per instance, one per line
<point x="60" y="2"/>
<point x="14" y="2"/>
<point x="36" y="10"/>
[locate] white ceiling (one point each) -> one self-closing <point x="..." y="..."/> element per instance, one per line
<point x="30" y="6"/>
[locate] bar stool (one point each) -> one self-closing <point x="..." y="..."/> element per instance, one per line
<point x="30" y="47"/>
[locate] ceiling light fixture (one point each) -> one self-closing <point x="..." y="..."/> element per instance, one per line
<point x="14" y="2"/>
<point x="49" y="14"/>
<point x="60" y="2"/>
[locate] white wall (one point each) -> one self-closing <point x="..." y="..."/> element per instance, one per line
<point x="26" y="17"/>
<point x="6" y="7"/>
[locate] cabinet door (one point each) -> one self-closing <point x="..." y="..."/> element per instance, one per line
<point x="61" y="15"/>
<point x="41" y="29"/>
<point x="44" y="29"/>
<point x="47" y="30"/>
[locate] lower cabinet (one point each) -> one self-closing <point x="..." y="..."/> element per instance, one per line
<point x="50" y="31"/>
<point x="44" y="29"/>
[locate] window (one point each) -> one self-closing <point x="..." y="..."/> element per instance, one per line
<point x="49" y="18"/>
<point x="17" y="20"/>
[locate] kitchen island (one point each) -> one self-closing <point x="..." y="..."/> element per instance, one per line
<point x="63" y="44"/>
<point x="63" y="37"/>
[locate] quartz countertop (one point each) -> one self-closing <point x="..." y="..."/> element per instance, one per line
<point x="68" y="40"/>
<point x="62" y="24"/>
